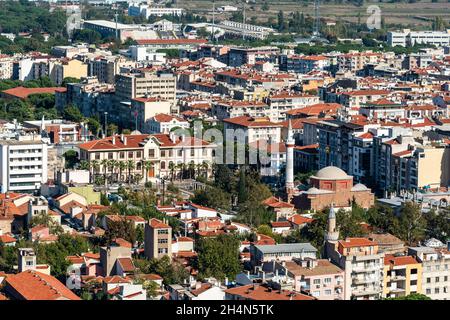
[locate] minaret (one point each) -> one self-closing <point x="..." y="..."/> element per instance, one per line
<point x="290" y="143"/>
<point x="332" y="233"/>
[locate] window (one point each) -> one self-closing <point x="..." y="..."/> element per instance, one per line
<point x="328" y="292"/>
<point x="437" y="279"/>
<point x="428" y="280"/>
<point x="436" y="290"/>
<point x="413" y="271"/>
<point x="163" y="165"/>
<point x="316" y="281"/>
<point x="428" y="291"/>
<point x="413" y="282"/>
<point x="163" y="231"/>
<point x="192" y="152"/>
<point x="316" y="293"/>
<point x="151" y="153"/>
<point x="163" y="153"/>
<point x="110" y="155"/>
<point x="327" y="280"/>
<point x="121" y="155"/>
<point x="160" y="241"/>
<point x="138" y="154"/>
<point x="130" y="154"/>
<point x="97" y="156"/>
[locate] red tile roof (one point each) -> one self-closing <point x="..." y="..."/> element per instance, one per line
<point x="390" y="259"/>
<point x="126" y="264"/>
<point x="155" y="223"/>
<point x="246" y="121"/>
<point x="356" y="242"/>
<point x="33" y="285"/>
<point x="23" y="93"/>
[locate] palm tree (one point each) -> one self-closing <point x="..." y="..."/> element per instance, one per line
<point x="198" y="166"/>
<point x="205" y="167"/>
<point x="111" y="166"/>
<point x="148" y="165"/>
<point x="180" y="167"/>
<point x="172" y="167"/>
<point x="104" y="163"/>
<point x="94" y="164"/>
<point x="84" y="165"/>
<point x="122" y="166"/>
<point x="191" y="168"/>
<point x="130" y="166"/>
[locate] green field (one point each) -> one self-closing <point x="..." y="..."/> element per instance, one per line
<point x="408" y="14"/>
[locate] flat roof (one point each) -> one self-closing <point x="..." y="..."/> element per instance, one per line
<point x="286" y="247"/>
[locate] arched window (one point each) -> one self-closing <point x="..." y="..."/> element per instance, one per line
<point x="163" y="165"/>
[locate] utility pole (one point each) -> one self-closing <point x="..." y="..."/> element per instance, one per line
<point x="106" y="124"/>
<point x="243" y="19"/>
<point x="213" y="20"/>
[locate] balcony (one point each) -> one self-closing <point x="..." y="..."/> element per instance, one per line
<point x="366" y="268"/>
<point x="365" y="280"/>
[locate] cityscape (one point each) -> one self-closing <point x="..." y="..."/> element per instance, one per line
<point x="224" y="150"/>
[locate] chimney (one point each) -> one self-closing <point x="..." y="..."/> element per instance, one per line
<point x="448" y="245"/>
<point x="172" y="137"/>
<point x="113" y="140"/>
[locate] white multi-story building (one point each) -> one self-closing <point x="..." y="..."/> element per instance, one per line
<point x="254" y="129"/>
<point x="146" y="10"/>
<point x="23" y="165"/>
<point x="408" y="38"/>
<point x="435" y="271"/>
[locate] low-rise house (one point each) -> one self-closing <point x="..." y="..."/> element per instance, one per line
<point x="263" y="292"/>
<point x="281" y="252"/>
<point x="319" y="278"/>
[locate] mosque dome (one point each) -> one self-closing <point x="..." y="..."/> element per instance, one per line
<point x="331" y="173"/>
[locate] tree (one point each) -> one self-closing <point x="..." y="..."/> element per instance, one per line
<point x="130" y="167"/>
<point x="67" y="80"/>
<point x="46" y="220"/>
<point x="412" y="296"/>
<point x="219" y="257"/>
<point x="281" y="23"/>
<point x="71" y="158"/>
<point x="72" y="113"/>
<point x="411" y="223"/>
<point x="122" y="228"/>
<point x="438" y="225"/>
<point x="148" y="165"/>
<point x="242" y="187"/>
<point x="212" y="197"/>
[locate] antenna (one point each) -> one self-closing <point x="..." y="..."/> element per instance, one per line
<point x="213" y="20"/>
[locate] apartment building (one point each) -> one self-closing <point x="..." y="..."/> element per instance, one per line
<point x="6" y="66"/>
<point x="334" y="137"/>
<point x="408" y="163"/>
<point x="23" y="165"/>
<point x="402" y="276"/>
<point x="147" y="11"/>
<point x="63" y="68"/>
<point x="254" y="129"/>
<point x="282" y="102"/>
<point x="225" y="109"/>
<point x="435" y="271"/>
<point x="146" y="108"/>
<point x="303" y="64"/>
<point x="363" y="266"/>
<point x="354" y="61"/>
<point x="157" y="239"/>
<point x="105" y="68"/>
<point x="146" y="84"/>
